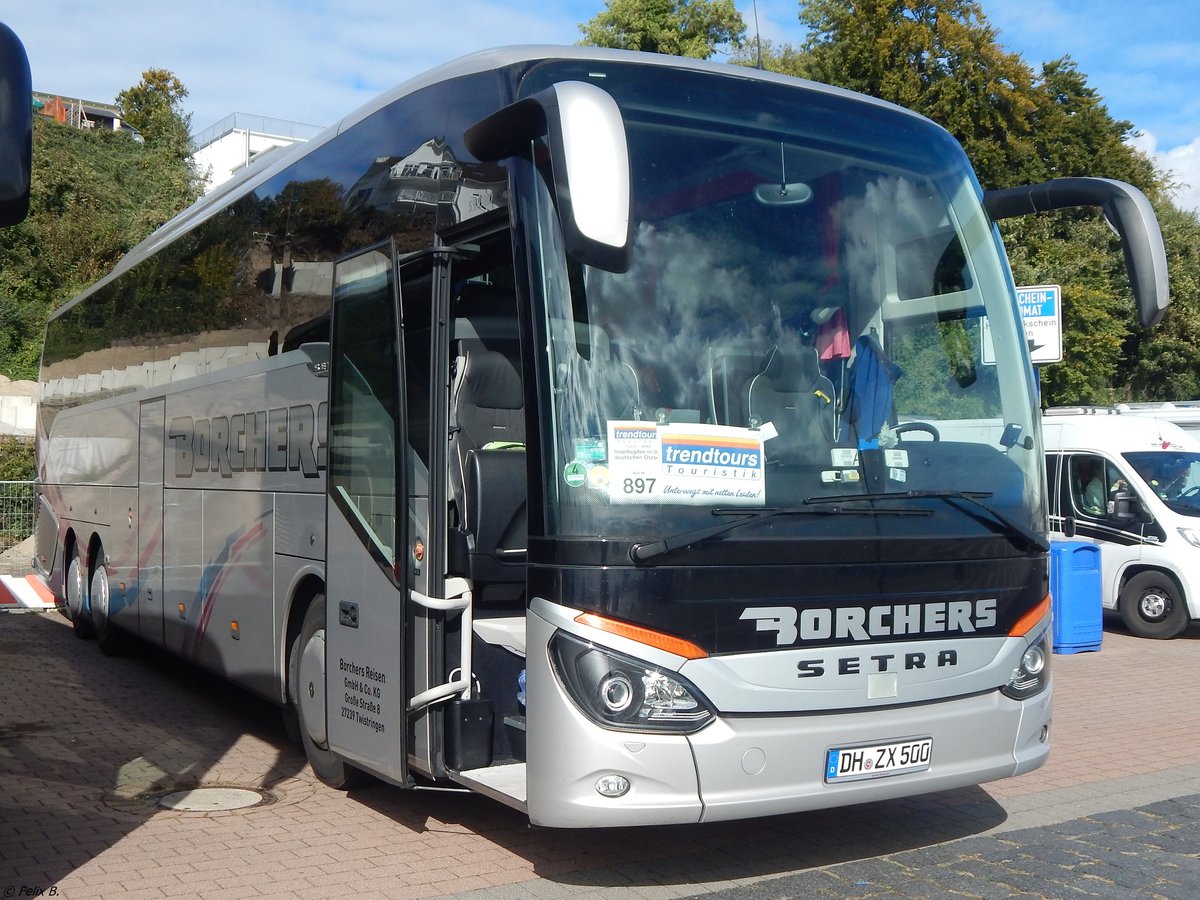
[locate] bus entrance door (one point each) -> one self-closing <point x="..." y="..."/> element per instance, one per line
<point x="364" y="664"/>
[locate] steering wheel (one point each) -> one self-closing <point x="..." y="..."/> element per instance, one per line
<point x="1191" y="492"/>
<point x="917" y="426"/>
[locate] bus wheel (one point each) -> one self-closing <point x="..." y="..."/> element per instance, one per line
<point x="306" y="689"/>
<point x="76" y="591"/>
<point x="1152" y="606"/>
<point x="111" y="640"/>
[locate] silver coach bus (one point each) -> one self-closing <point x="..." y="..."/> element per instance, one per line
<point x="606" y="433"/>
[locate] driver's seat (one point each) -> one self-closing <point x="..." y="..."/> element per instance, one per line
<point x="791" y="393"/>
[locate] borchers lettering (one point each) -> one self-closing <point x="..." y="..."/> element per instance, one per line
<point x="862" y="624"/>
<point x="283" y="439"/>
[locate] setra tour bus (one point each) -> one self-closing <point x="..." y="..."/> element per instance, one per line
<point x="606" y="433"/>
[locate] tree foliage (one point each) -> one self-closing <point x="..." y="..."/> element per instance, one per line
<point x="1164" y="363"/>
<point x="154" y="106"/>
<point x="95" y="194"/>
<point x="772" y="56"/>
<point x="1074" y="134"/>
<point x="937" y="57"/>
<point x="16" y="464"/>
<point x="695" y="28"/>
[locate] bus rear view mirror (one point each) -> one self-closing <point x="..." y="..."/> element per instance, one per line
<point x="318" y="357"/>
<point x="1128" y="213"/>
<point x="589" y="159"/>
<point x="16" y="128"/>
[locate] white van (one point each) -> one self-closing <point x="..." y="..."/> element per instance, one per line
<point x="1130" y="484"/>
<point x="1184" y="413"/>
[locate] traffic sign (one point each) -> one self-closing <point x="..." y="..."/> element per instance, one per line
<point x="1041" y="314"/>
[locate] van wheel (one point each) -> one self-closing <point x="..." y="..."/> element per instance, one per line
<point x="1152" y="606"/>
<point x="78" y="608"/>
<point x="306" y="690"/>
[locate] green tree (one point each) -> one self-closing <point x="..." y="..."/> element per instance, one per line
<point x="16" y="464"/>
<point x="938" y="57"/>
<point x="942" y="59"/>
<point x="695" y="28"/>
<point x="95" y="194"/>
<point x="1164" y="363"/>
<point x="1076" y="251"/>
<point x="1107" y="357"/>
<point x="1073" y="133"/>
<point x="784" y="58"/>
<point x="154" y="106"/>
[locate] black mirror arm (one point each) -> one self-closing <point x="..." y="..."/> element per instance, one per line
<point x="1128" y="212"/>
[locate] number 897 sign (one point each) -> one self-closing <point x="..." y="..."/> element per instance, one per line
<point x="691" y="464"/>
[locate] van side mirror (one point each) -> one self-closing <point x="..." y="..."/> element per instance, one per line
<point x="589" y="158"/>
<point x="16" y="128"/>
<point x="1129" y="214"/>
<point x="1125" y="507"/>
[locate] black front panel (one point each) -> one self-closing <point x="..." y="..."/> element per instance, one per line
<point x="834" y="598"/>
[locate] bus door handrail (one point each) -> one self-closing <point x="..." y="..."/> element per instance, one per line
<point x="458" y="601"/>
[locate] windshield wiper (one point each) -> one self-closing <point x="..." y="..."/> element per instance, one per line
<point x="1009" y="526"/>
<point x="645" y="550"/>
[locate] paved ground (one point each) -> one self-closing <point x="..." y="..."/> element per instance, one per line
<point x="84" y="740"/>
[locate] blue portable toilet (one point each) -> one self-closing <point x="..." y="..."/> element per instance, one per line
<point x="1075" y="588"/>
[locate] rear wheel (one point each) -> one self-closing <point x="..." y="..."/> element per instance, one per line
<point x="1152" y="606"/>
<point x="306" y="689"/>
<point x="112" y="641"/>
<point x="78" y="608"/>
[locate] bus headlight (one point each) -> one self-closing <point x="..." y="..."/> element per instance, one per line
<point x="1033" y="674"/>
<point x="626" y="694"/>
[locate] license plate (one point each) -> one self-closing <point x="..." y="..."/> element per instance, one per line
<point x="878" y="760"/>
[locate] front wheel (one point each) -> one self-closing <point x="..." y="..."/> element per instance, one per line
<point x="1152" y="606"/>
<point x="306" y="690"/>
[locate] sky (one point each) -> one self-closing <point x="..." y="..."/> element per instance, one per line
<point x="313" y="61"/>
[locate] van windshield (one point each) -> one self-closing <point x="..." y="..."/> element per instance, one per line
<point x="1173" y="477"/>
<point x="816" y="305"/>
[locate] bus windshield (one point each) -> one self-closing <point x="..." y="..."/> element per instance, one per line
<point x="816" y="306"/>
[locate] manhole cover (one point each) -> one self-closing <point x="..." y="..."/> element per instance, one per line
<point x="213" y="799"/>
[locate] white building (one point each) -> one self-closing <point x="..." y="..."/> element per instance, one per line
<point x="239" y="139"/>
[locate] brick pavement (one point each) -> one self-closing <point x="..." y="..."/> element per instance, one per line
<point x="83" y="739"/>
<point x="1152" y="851"/>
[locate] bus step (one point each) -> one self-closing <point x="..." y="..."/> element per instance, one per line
<point x="504" y="782"/>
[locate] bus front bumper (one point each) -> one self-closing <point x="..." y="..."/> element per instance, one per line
<point x="749" y="766"/>
<point x="768" y="766"/>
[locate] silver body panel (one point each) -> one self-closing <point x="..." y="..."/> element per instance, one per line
<point x="191" y="531"/>
<point x="752" y="764"/>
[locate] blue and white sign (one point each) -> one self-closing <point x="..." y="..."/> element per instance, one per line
<point x="1041" y="314"/>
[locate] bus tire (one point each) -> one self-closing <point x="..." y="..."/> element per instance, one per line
<point x="1152" y="606"/>
<point x="76" y="591"/>
<point x="112" y="641"/>
<point x="306" y="690"/>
